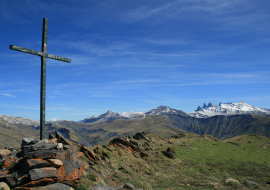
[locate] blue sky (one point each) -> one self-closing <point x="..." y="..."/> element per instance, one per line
<point x="134" y="55"/>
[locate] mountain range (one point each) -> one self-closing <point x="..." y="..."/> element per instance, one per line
<point x="227" y="109"/>
<point x="224" y="121"/>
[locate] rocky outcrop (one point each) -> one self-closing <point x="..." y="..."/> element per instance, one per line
<point x="42" y="165"/>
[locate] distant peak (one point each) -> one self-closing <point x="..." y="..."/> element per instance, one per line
<point x="211" y="105"/>
<point x="198" y="108"/>
<point x="110" y="111"/>
<point x="204" y="105"/>
<point x="162" y="106"/>
<point x="242" y="102"/>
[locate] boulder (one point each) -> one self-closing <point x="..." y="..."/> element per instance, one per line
<point x="4" y="153"/>
<point x="43" y="145"/>
<point x="17" y="178"/>
<point x="40" y="182"/>
<point x="129" y="186"/>
<point x="9" y="147"/>
<point x="59" y="146"/>
<point x="169" y="153"/>
<point x="51" y="136"/>
<point x="231" y="180"/>
<point x="103" y="187"/>
<point x="55" y="163"/>
<point x="72" y="167"/>
<point x="4" y="186"/>
<point x="39" y="173"/>
<point x="28" y="141"/>
<point x="247" y="182"/>
<point x="42" y="154"/>
<point x="3" y="173"/>
<point x="53" y="141"/>
<point x="34" y="163"/>
<point x="55" y="186"/>
<point x="60" y="138"/>
<point x="9" y="162"/>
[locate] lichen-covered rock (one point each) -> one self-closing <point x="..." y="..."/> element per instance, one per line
<point x="3" y="173"/>
<point x="9" y="162"/>
<point x="42" y="154"/>
<point x="72" y="167"/>
<point x="17" y="178"/>
<point x="40" y="182"/>
<point x="39" y="173"/>
<point x="34" y="163"/>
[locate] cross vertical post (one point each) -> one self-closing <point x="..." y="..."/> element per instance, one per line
<point x="44" y="55"/>
<point x="43" y="79"/>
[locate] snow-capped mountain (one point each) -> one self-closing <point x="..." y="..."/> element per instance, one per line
<point x="227" y="109"/>
<point x="131" y="114"/>
<point x="19" y="120"/>
<point x="165" y="110"/>
<point x="53" y="120"/>
<point x="108" y="116"/>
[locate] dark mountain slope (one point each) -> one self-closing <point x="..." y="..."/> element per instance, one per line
<point x="223" y="126"/>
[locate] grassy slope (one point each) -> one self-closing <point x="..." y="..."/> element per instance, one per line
<point x="156" y="125"/>
<point x="204" y="165"/>
<point x="12" y="135"/>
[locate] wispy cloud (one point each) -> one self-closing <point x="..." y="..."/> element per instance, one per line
<point x="9" y="95"/>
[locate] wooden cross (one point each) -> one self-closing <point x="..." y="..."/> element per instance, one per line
<point x="44" y="55"/>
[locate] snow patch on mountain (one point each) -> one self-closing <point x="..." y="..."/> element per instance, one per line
<point x="165" y="110"/>
<point x="227" y="109"/>
<point x="53" y="120"/>
<point x="131" y="114"/>
<point x="108" y="116"/>
<point x="19" y="120"/>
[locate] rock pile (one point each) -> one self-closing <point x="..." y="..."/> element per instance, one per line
<point x="44" y="164"/>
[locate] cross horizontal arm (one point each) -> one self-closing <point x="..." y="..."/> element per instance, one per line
<point x="26" y="50"/>
<point x="39" y="53"/>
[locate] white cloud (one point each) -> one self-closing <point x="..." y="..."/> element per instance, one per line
<point x="9" y="95"/>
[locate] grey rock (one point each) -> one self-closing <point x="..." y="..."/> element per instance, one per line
<point x="28" y="141"/>
<point x="247" y="182"/>
<point x="43" y="146"/>
<point x="103" y="187"/>
<point x="33" y="164"/>
<point x="51" y="136"/>
<point x="129" y="186"/>
<point x="40" y="173"/>
<point x="43" y="154"/>
<point x="55" y="186"/>
<point x="9" y="147"/>
<point x="26" y="149"/>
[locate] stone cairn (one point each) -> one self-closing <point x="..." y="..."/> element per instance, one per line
<point x="41" y="165"/>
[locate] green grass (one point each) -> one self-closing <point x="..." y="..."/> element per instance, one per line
<point x="204" y="165"/>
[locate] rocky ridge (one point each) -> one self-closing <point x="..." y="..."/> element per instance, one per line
<point x="19" y="120"/>
<point x="227" y="109"/>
